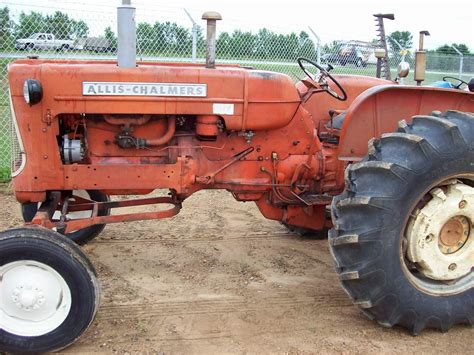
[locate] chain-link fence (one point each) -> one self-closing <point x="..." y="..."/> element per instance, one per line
<point x="78" y="33"/>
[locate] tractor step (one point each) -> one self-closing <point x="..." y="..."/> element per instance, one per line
<point x="316" y="199"/>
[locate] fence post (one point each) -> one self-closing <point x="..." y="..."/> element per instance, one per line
<point x="194" y="31"/>
<point x="461" y="60"/>
<point x="403" y="53"/>
<point x="318" y="46"/>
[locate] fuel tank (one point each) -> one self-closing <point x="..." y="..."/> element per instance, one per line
<point x="246" y="99"/>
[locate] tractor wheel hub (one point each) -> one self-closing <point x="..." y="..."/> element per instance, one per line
<point x="440" y="239"/>
<point x="34" y="298"/>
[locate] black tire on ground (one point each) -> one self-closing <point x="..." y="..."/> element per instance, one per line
<point x="81" y="236"/>
<point x="371" y="214"/>
<point x="51" y="249"/>
<point x="359" y="62"/>
<point x="30" y="46"/>
<point x="307" y="233"/>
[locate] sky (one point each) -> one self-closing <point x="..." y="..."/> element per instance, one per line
<point x="448" y="21"/>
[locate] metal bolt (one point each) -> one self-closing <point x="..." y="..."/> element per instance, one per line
<point x="462" y="204"/>
<point x="429" y="238"/>
<point x="452" y="267"/>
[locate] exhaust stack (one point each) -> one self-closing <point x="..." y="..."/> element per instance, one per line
<point x="127" y="37"/>
<point x="211" y="17"/>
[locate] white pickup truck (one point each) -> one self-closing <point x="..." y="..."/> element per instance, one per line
<point x="45" y="41"/>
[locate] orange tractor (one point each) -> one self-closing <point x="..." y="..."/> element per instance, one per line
<point x="388" y="167"/>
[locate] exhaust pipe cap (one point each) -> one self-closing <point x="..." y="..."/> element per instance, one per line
<point x="211" y="15"/>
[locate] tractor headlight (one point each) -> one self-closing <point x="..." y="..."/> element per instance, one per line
<point x="32" y="91"/>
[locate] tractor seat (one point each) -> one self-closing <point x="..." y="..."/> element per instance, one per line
<point x="336" y="121"/>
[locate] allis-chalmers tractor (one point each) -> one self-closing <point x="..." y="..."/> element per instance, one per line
<point x="392" y="165"/>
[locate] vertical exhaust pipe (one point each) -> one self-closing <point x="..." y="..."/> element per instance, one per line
<point x="127" y="36"/>
<point x="420" y="60"/>
<point x="211" y="17"/>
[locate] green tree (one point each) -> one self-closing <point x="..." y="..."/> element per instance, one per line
<point x="223" y="44"/>
<point x="405" y="38"/>
<point x="110" y="35"/>
<point x="332" y="47"/>
<point x="6" y="29"/>
<point x="30" y="23"/>
<point x="448" y="49"/>
<point x="306" y="46"/>
<point x="145" y="38"/>
<point x="79" y="29"/>
<point x="59" y="24"/>
<point x="242" y="44"/>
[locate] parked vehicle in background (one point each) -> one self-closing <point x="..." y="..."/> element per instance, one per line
<point x="358" y="53"/>
<point x="331" y="58"/>
<point x="95" y="44"/>
<point x="43" y="41"/>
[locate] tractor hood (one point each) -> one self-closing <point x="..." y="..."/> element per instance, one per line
<point x="96" y="87"/>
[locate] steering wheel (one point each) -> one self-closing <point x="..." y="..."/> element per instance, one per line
<point x="457" y="79"/>
<point x="321" y="82"/>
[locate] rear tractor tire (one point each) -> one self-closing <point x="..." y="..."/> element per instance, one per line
<point x="403" y="240"/>
<point x="81" y="236"/>
<point x="49" y="293"/>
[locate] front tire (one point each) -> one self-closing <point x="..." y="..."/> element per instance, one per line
<point x="49" y="292"/>
<point x="381" y="262"/>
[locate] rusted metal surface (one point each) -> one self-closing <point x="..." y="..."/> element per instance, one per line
<point x="454" y="234"/>
<point x="67" y="226"/>
<point x="251" y="134"/>
<point x="379" y="110"/>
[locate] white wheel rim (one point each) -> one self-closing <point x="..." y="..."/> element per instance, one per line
<point x="440" y="238"/>
<point x="34" y="298"/>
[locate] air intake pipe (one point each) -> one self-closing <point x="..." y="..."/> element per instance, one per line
<point x="127" y="35"/>
<point x="211" y="17"/>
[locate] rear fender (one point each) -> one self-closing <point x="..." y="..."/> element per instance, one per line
<point x="379" y="109"/>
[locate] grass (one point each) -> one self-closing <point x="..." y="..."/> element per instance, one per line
<point x="289" y="68"/>
<point x="4" y="123"/>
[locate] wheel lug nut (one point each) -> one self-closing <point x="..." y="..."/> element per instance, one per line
<point x="462" y="204"/>
<point x="452" y="267"/>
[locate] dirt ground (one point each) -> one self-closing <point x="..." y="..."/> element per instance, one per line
<point x="219" y="278"/>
